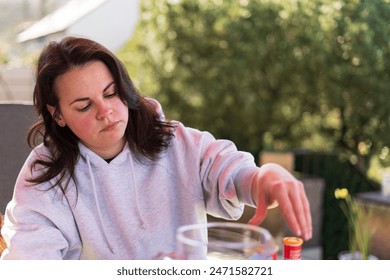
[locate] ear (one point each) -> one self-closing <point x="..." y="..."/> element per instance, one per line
<point x="51" y="110"/>
<point x="57" y="117"/>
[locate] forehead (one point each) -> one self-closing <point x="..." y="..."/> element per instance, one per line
<point x="91" y="77"/>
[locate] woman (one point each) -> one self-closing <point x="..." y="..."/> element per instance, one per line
<point x="113" y="179"/>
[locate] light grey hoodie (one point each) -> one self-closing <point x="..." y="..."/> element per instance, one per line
<point x="126" y="209"/>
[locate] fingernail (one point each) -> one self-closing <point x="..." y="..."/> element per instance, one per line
<point x="306" y="236"/>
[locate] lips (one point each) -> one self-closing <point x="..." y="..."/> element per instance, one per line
<point x="110" y="126"/>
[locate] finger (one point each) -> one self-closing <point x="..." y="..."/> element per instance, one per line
<point x="306" y="223"/>
<point x="288" y="210"/>
<point x="261" y="211"/>
<point x="301" y="210"/>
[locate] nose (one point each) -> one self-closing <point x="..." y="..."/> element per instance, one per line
<point x="103" y="110"/>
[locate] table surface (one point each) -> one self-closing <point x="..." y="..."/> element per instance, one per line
<point x="374" y="197"/>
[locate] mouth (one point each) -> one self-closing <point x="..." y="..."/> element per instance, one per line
<point x="110" y="126"/>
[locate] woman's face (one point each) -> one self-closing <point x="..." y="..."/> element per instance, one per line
<point x="90" y="106"/>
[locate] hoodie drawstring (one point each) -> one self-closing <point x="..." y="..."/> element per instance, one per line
<point x="98" y="207"/>
<point x="143" y="223"/>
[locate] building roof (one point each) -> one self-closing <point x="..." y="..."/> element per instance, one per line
<point x="60" y="19"/>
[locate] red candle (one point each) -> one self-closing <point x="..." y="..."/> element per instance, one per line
<point x="292" y="248"/>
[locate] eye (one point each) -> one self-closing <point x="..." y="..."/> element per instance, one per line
<point x="111" y="95"/>
<point x="85" y="108"/>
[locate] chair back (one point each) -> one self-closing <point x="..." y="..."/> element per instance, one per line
<point x="15" y="120"/>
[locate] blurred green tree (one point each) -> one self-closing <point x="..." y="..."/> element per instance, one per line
<point x="271" y="74"/>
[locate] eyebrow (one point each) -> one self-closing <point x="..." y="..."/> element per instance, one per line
<point x="87" y="98"/>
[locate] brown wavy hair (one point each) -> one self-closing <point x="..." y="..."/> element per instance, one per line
<point x="147" y="135"/>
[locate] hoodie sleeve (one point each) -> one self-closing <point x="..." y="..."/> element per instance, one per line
<point x="225" y="174"/>
<point x="38" y="223"/>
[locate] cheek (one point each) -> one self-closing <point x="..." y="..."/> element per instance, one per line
<point x="122" y="109"/>
<point x="82" y="126"/>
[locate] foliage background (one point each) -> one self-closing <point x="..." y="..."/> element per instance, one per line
<point x="276" y="75"/>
